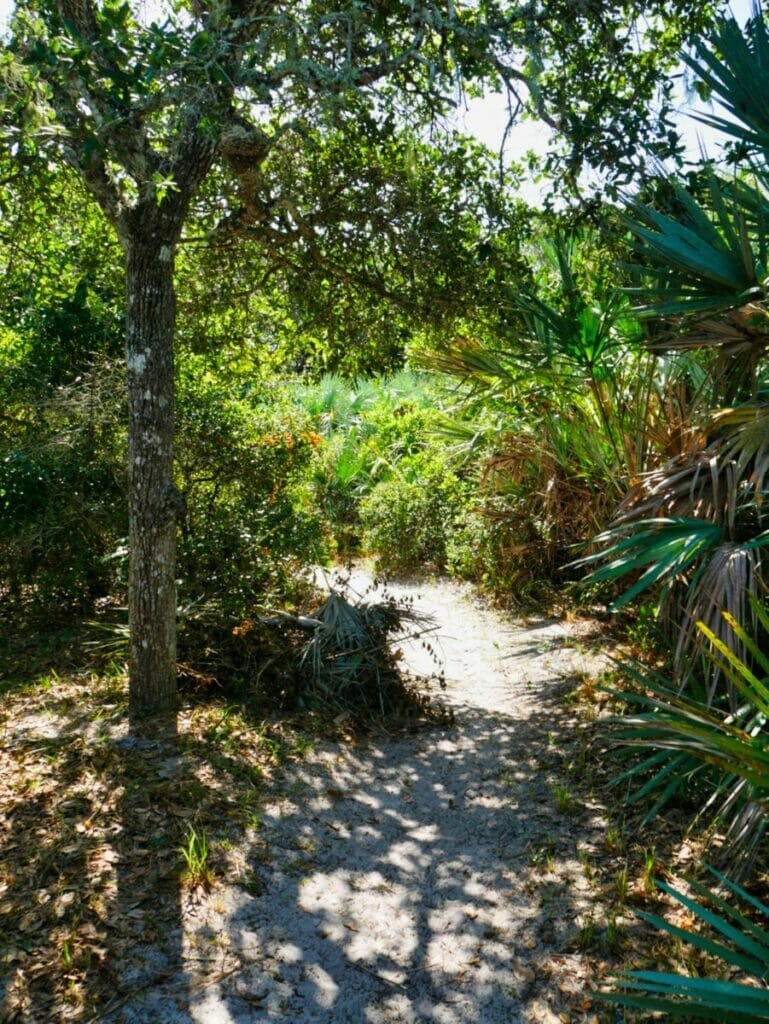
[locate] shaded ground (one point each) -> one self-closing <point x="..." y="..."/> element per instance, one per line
<point x="436" y="877"/>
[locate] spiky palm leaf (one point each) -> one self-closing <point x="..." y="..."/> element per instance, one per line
<point x="660" y="550"/>
<point x="734" y="65"/>
<point x="696" y="526"/>
<point x="737" y="941"/>
<point x="725" y="750"/>
<point x="701" y="261"/>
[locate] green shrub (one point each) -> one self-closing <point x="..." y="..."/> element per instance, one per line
<point x="63" y="517"/>
<point x="241" y="466"/>
<point x="340" y="477"/>
<point x="409" y="519"/>
<point x="62" y="485"/>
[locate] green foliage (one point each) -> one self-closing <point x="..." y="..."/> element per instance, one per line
<point x="62" y="479"/>
<point x="62" y="429"/>
<point x="62" y="493"/>
<point x="718" y="750"/>
<point x="408" y="520"/>
<point x="341" y="477"/>
<point x="240" y="461"/>
<point x="737" y="941"/>
<point x="377" y="448"/>
<point x="195" y="854"/>
<point x="539" y="414"/>
<point x="696" y="524"/>
<point x="404" y="250"/>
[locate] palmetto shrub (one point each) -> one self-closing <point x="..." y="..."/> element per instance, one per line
<point x="712" y="749"/>
<point x="717" y="754"/>
<point x="696" y="526"/>
<point x="728" y="934"/>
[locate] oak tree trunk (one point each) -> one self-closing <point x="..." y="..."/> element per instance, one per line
<point x="152" y="497"/>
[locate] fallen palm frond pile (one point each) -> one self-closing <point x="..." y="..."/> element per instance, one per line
<point x="340" y="658"/>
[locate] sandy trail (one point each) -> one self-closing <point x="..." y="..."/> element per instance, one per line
<point x="426" y="878"/>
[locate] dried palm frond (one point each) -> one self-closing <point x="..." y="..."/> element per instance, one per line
<point x="747" y="445"/>
<point x="721" y="591"/>
<point x="696" y="525"/>
<point x="688" y="485"/>
<point x="349" y="663"/>
<point x="744" y="328"/>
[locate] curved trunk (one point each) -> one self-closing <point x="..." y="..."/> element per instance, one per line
<point x="152" y="497"/>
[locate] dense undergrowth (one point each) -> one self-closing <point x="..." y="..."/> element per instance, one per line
<point x="601" y="423"/>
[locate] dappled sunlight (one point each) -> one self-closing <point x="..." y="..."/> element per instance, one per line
<point x="424" y="877"/>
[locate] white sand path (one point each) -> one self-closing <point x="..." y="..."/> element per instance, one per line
<point x="423" y="878"/>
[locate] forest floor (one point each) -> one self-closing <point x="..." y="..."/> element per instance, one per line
<point x="463" y="874"/>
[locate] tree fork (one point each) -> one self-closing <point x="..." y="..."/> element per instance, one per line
<point x="152" y="496"/>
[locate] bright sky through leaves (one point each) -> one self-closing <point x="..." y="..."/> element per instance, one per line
<point x="486" y="119"/>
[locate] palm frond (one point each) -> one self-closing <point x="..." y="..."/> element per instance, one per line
<point x="724" y="750"/>
<point x="660" y="549"/>
<point x="719" y="595"/>
<point x="734" y="64"/>
<point x="739" y="943"/>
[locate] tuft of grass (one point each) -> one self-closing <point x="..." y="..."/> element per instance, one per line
<point x="615" y="839"/>
<point x="614" y="934"/>
<point x="587" y="938"/>
<point x="650" y="866"/>
<point x="543" y="856"/>
<point x="195" y="852"/>
<point x="563" y="799"/>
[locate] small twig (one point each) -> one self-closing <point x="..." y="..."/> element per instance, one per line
<point x="416" y="970"/>
<point x="374" y="974"/>
<point x="113" y="1006"/>
<point x="122" y="1000"/>
<point x="219" y="977"/>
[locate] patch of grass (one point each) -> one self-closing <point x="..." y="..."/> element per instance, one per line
<point x="614" y="838"/>
<point x="588" y="866"/>
<point x="195" y="852"/>
<point x="649" y="870"/>
<point x="564" y="800"/>
<point x="543" y="856"/>
<point x="586" y="939"/>
<point x="614" y="935"/>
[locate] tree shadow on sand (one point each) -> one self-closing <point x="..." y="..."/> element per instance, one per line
<point x="419" y="878"/>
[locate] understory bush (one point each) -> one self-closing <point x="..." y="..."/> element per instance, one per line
<point x="384" y="481"/>
<point x="63" y="517"/>
<point x="368" y="428"/>
<point x="62" y="487"/>
<point x="410" y="519"/>
<point x="241" y="466"/>
<point x="488" y="547"/>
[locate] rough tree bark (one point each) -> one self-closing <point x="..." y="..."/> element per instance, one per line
<point x="149" y="233"/>
<point x="152" y="500"/>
